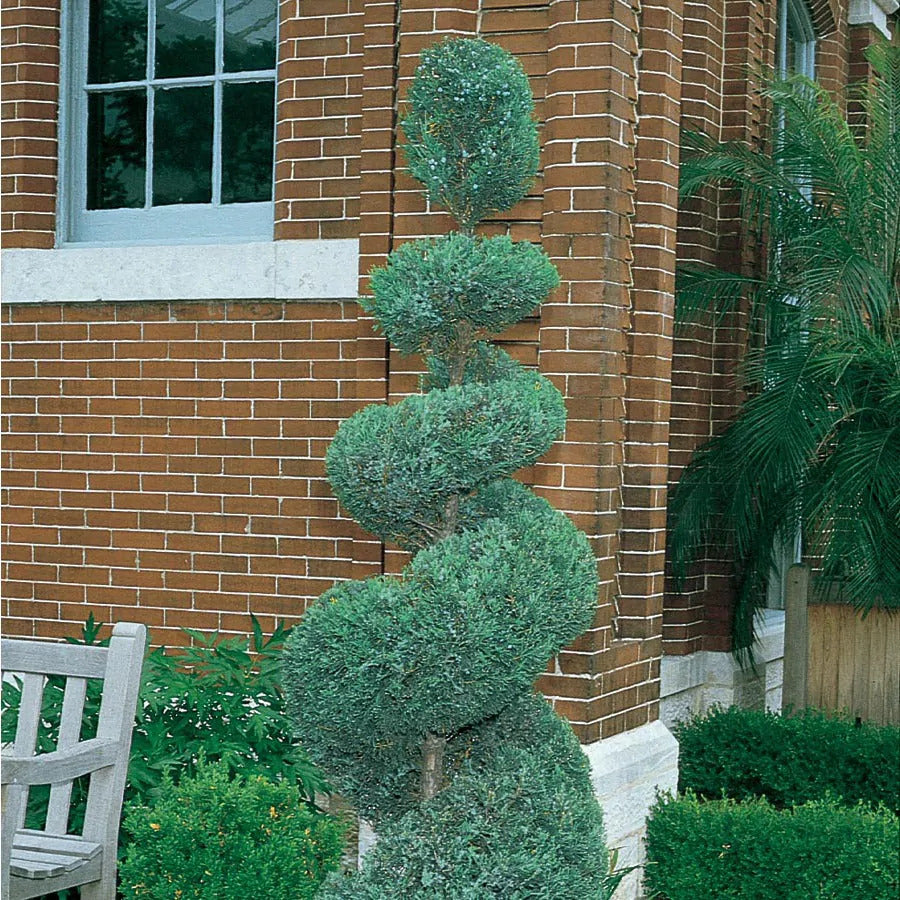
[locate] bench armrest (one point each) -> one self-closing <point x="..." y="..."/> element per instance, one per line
<point x="61" y="765"/>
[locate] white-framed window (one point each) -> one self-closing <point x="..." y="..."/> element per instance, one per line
<point x="169" y="112"/>
<point x="795" y="46"/>
<point x="795" y="54"/>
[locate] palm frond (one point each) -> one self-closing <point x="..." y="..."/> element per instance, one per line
<point x="817" y="441"/>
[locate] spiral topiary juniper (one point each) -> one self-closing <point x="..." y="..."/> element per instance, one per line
<point x="414" y="692"/>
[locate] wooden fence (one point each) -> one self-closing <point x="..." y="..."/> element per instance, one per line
<point x="837" y="660"/>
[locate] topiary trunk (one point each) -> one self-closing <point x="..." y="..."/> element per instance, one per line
<point x="414" y="693"/>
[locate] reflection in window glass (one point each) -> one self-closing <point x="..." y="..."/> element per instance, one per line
<point x="247" y="141"/>
<point x="185" y="38"/>
<point x="116" y="153"/>
<point x="180" y="107"/>
<point x="182" y="146"/>
<point x="249" y="35"/>
<point x="118" y="41"/>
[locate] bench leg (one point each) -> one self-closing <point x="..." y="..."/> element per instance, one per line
<point x="105" y="889"/>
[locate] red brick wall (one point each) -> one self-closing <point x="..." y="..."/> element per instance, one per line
<point x="165" y="462"/>
<point x="649" y="351"/>
<point x="693" y="360"/>
<point x="318" y="111"/>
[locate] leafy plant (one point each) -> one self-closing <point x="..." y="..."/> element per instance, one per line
<point x="415" y="692"/>
<point x="789" y="760"/>
<point x="220" y="836"/>
<point x="719" y="849"/>
<point x="817" y="441"/>
<point x="221" y="699"/>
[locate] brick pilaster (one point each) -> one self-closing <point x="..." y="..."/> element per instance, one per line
<point x="30" y="33"/>
<point x="589" y="161"/>
<point x="648" y="383"/>
<point x="317" y="123"/>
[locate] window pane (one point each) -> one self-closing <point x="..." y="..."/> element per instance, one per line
<point x="248" y="123"/>
<point x="182" y="146"/>
<point x="116" y="161"/>
<point x="249" y="35"/>
<point x="118" y="41"/>
<point x="185" y="38"/>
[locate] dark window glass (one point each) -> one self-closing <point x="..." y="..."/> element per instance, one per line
<point x="182" y="145"/>
<point x="248" y="122"/>
<point x="116" y="149"/>
<point x="185" y="38"/>
<point x="249" y="35"/>
<point x="118" y="41"/>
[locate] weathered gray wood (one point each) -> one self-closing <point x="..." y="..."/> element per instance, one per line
<point x="68" y="844"/>
<point x="46" y="658"/>
<point x="15" y="797"/>
<point x="39" y="862"/>
<point x="26" y="739"/>
<point x="46" y="863"/>
<point x="69" y="733"/>
<point x="36" y="855"/>
<point x="117" y="709"/>
<point x="61" y="765"/>
<point x="27" y="888"/>
<point x="796" y="638"/>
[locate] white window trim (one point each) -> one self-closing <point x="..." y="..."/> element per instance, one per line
<point x="269" y="270"/>
<point x="196" y="223"/>
<point x="794" y="19"/>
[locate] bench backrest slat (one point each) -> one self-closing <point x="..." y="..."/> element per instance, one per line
<point x="54" y="659"/>
<point x="69" y="733"/>
<point x="26" y="738"/>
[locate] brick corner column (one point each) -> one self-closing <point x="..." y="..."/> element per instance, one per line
<point x="317" y="120"/>
<point x="31" y="38"/>
<point x="589" y="163"/>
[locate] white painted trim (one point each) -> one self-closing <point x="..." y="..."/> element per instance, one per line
<point x="213" y="221"/>
<point x="872" y="12"/>
<point x="272" y="270"/>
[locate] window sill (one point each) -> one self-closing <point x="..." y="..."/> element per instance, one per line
<point x="270" y="270"/>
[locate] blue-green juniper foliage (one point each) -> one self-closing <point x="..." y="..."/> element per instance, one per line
<point x="414" y="692"/>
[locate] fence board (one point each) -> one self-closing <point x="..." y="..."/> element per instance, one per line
<point x="854" y="663"/>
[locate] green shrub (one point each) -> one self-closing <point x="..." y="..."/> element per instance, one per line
<point x="396" y="682"/>
<point x="213" y="837"/>
<point x="471" y="138"/>
<point x="428" y="287"/>
<point x="518" y="822"/>
<point x="394" y="468"/>
<point x="220" y="698"/>
<point x="718" y="849"/>
<point x="461" y="635"/>
<point x="742" y="753"/>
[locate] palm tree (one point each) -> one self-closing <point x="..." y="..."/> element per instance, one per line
<point x="816" y="443"/>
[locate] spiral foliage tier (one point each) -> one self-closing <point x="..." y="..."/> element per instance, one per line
<point x="414" y="692"/>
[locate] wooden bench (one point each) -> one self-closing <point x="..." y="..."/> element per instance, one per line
<point x="41" y="862"/>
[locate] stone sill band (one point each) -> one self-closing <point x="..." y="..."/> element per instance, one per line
<point x="271" y="270"/>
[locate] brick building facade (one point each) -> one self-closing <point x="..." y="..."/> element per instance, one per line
<point x="167" y="403"/>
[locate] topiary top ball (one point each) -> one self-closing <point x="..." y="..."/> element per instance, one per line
<point x="471" y="138"/>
